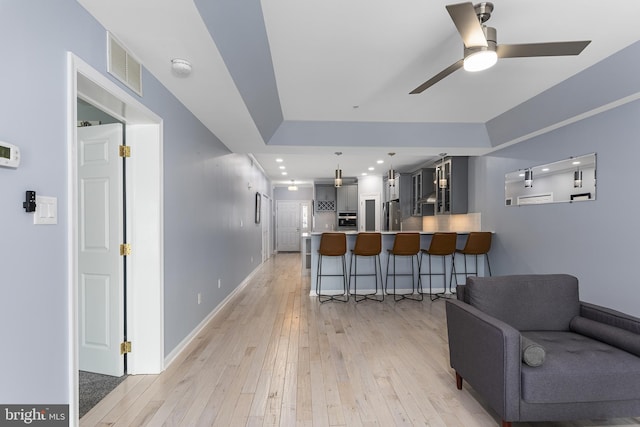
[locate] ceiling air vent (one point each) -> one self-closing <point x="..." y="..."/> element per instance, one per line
<point x="122" y="65"/>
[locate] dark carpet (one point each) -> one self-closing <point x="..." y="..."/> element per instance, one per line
<point x="94" y="387"/>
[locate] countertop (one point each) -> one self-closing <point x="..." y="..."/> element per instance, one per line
<point x="318" y="233"/>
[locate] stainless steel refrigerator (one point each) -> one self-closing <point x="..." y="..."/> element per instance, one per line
<point x="391" y="215"/>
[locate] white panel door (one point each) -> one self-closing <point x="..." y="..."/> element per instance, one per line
<point x="288" y="226"/>
<point x="100" y="272"/>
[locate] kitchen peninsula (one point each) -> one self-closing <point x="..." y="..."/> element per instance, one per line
<point x="331" y="265"/>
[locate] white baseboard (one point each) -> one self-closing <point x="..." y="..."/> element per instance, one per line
<point x="173" y="355"/>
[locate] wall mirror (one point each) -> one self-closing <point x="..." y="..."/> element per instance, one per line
<point x="570" y="180"/>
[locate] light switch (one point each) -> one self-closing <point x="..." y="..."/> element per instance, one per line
<point x="46" y="210"/>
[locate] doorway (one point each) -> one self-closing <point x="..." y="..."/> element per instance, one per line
<point x="143" y="133"/>
<point x="293" y="217"/>
<point x="370" y="210"/>
<point x="265" y="214"/>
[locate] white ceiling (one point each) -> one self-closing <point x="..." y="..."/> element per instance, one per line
<point x="356" y="62"/>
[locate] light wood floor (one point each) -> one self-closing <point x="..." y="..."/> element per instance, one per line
<point x="275" y="356"/>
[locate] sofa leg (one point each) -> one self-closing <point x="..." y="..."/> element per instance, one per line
<point x="506" y="423"/>
<point x="459" y="382"/>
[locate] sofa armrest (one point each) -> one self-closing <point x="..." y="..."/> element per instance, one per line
<point x="486" y="353"/>
<point x="610" y="317"/>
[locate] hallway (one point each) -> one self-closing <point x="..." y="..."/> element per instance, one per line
<point x="275" y="356"/>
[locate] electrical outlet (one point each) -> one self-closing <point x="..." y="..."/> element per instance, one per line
<point x="199" y="298"/>
<point x="219" y="283"/>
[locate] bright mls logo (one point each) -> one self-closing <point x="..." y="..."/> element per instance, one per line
<point x="46" y="415"/>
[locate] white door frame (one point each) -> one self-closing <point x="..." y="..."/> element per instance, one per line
<point x="265" y="216"/>
<point x="145" y="315"/>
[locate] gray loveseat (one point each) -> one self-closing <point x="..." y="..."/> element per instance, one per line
<point x="535" y="352"/>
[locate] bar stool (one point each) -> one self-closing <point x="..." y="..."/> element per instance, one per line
<point x="404" y="245"/>
<point x="332" y="245"/>
<point x="367" y="245"/>
<point x="478" y="243"/>
<point x="442" y="245"/>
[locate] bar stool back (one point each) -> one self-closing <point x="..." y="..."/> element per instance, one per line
<point x="367" y="245"/>
<point x="478" y="244"/>
<point x="332" y="245"/>
<point x="442" y="245"/>
<point x="404" y="245"/>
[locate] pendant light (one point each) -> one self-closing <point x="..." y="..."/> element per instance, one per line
<point x="338" y="179"/>
<point x="442" y="177"/>
<point x="391" y="175"/>
<point x="293" y="186"/>
<point x="528" y="178"/>
<point x="577" y="178"/>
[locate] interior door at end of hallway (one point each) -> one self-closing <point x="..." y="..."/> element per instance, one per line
<point x="288" y="226"/>
<point x="100" y="266"/>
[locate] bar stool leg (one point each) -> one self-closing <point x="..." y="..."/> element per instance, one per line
<point x="354" y="262"/>
<point x="447" y="290"/>
<point x="453" y="273"/>
<point x="396" y="296"/>
<point x="319" y="275"/>
<point x="466" y="273"/>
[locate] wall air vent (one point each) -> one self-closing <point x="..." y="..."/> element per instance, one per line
<point x="122" y="65"/>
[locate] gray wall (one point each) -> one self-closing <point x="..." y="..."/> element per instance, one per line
<point x="596" y="240"/>
<point x="206" y="198"/>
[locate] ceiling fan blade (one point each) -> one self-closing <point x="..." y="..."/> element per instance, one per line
<point x="465" y="19"/>
<point x="541" y="49"/>
<point x="435" y="79"/>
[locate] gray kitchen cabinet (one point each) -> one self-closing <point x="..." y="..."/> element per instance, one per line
<point x="392" y="190"/>
<point x="401" y="191"/>
<point x="347" y="198"/>
<point x="422" y="185"/>
<point x="452" y="184"/>
<point x="325" y="198"/>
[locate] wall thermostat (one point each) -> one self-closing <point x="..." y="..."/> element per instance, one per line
<point x="9" y="155"/>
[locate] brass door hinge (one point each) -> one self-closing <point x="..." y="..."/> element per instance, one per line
<point x="125" y="347"/>
<point x="125" y="151"/>
<point x="125" y="249"/>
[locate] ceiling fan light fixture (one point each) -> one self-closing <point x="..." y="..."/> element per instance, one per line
<point x="480" y="58"/>
<point x="181" y="67"/>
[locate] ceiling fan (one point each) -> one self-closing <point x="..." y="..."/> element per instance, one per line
<point x="481" y="50"/>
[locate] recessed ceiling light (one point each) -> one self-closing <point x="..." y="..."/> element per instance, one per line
<point x="545" y="169"/>
<point x="284" y="173"/>
<point x="278" y="160"/>
<point x="575" y="163"/>
<point x="371" y="168"/>
<point x="364" y="174"/>
<point x="380" y="162"/>
<point x="282" y="167"/>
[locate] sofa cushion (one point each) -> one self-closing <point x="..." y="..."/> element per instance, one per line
<point x="543" y="302"/>
<point x="617" y="337"/>
<point x="579" y="369"/>
<point x="533" y="354"/>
